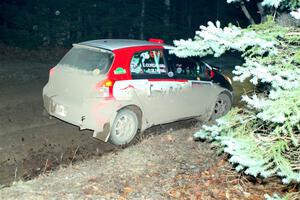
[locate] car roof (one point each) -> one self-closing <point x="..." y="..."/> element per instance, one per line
<point x="113" y="44"/>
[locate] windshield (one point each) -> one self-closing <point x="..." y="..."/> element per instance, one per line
<point x="87" y="59"/>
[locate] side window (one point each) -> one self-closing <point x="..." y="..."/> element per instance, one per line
<point x="187" y="68"/>
<point x="184" y="67"/>
<point x="148" y="63"/>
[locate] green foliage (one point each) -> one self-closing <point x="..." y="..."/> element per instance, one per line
<point x="215" y="40"/>
<point x="274" y="197"/>
<point x="290" y="196"/>
<point x="245" y="137"/>
<point x="291" y="4"/>
<point x="264" y="138"/>
<point x="296" y="57"/>
<point x="269" y="30"/>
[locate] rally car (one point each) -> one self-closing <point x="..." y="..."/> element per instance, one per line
<point x="118" y="88"/>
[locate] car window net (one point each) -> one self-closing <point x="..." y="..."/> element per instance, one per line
<point x="87" y="59"/>
<point x="148" y="62"/>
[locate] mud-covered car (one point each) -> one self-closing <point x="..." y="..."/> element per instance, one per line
<point x="118" y="88"/>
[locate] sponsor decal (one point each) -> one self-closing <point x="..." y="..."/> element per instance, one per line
<point x="128" y="87"/>
<point x="120" y="70"/>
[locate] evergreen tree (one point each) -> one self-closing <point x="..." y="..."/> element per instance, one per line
<point x="262" y="139"/>
<point x="33" y="23"/>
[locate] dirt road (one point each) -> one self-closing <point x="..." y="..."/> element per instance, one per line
<point x="30" y="142"/>
<point x="167" y="166"/>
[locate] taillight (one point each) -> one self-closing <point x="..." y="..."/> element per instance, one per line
<point x="108" y="83"/>
<point x="155" y="40"/>
<point x="51" y="71"/>
<point x="105" y="88"/>
<point x="212" y="73"/>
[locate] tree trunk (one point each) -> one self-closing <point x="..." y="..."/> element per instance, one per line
<point x="261" y="11"/>
<point x="189" y="14"/>
<point x="68" y="27"/>
<point x="247" y="14"/>
<point x="167" y="13"/>
<point x="110" y="33"/>
<point x="218" y="10"/>
<point x="79" y="26"/>
<point x="142" y="25"/>
<point x="50" y="32"/>
<point x="4" y="24"/>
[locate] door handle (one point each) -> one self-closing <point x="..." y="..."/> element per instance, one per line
<point x="150" y="90"/>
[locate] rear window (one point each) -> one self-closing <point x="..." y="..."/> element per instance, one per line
<point x="87" y="59"/>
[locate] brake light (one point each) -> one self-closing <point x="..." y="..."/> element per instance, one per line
<point x="108" y="83"/>
<point x="105" y="88"/>
<point x="159" y="41"/>
<point x="51" y="71"/>
<point x="212" y="73"/>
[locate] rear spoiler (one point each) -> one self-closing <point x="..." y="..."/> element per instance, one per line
<point x="92" y="48"/>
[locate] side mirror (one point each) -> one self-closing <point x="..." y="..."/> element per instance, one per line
<point x="209" y="73"/>
<point x="216" y="68"/>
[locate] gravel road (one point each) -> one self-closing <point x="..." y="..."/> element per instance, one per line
<point x="30" y="142"/>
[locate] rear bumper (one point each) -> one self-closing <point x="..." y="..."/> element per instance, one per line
<point x="95" y="114"/>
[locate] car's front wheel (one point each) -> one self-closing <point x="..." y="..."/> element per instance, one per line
<point x="222" y="106"/>
<point x="125" y="127"/>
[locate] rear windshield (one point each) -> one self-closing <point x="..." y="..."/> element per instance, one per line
<point x="87" y="59"/>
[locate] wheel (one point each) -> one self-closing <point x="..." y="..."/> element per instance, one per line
<point x="125" y="128"/>
<point x="222" y="106"/>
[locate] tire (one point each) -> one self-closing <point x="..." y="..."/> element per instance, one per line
<point x="222" y="106"/>
<point x="125" y="127"/>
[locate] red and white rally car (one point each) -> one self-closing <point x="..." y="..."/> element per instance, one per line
<point x="120" y="87"/>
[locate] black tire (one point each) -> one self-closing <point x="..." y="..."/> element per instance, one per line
<point x="222" y="106"/>
<point x="125" y="128"/>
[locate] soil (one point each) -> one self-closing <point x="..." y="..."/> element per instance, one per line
<point x="166" y="166"/>
<point x="28" y="137"/>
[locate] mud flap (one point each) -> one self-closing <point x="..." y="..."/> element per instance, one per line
<point x="104" y="135"/>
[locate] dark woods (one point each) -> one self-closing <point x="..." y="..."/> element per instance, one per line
<point x="34" y="23"/>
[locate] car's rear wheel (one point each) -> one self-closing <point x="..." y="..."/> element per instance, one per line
<point x="222" y="106"/>
<point x="125" y="127"/>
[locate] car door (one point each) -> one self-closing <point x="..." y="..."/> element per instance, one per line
<point x="198" y="98"/>
<point x="152" y="87"/>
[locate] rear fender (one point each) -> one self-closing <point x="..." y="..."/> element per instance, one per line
<point x="106" y="130"/>
<point x="104" y="133"/>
